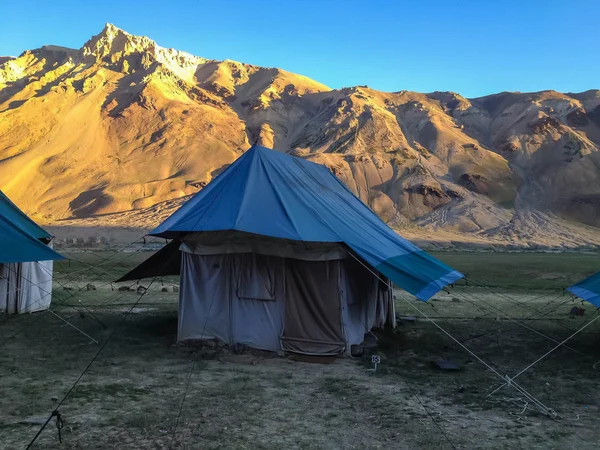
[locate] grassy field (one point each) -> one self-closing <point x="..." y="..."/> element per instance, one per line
<point x="132" y="393"/>
<point x="523" y="271"/>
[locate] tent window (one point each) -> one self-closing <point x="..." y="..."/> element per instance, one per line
<point x="256" y="278"/>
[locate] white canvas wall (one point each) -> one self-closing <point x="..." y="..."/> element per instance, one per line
<point x="229" y="298"/>
<point x="25" y="287"/>
<point x="241" y="298"/>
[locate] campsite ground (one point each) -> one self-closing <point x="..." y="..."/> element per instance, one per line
<point x="132" y="393"/>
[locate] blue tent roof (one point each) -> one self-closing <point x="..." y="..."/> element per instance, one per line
<point x="269" y="193"/>
<point x="588" y="289"/>
<point x="19" y="236"/>
<point x="11" y="212"/>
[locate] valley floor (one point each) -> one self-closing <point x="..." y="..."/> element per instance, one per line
<point x="131" y="396"/>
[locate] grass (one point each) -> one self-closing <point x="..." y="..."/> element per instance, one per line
<point x="101" y="265"/>
<point x="131" y="395"/>
<point x="339" y="386"/>
<point x="523" y="272"/>
<point x="91" y="392"/>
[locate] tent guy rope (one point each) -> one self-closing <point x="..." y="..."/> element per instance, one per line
<point x="88" y="366"/>
<point x="548" y="411"/>
<point x="510" y="381"/>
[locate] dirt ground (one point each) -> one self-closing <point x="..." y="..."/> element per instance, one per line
<point x="132" y="394"/>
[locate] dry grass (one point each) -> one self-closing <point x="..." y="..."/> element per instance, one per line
<point x="130" y="397"/>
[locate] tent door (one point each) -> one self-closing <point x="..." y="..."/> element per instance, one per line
<point x="312" y="322"/>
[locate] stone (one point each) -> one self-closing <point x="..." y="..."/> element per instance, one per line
<point x="35" y="420"/>
<point x="123" y="288"/>
<point x="165" y="289"/>
<point x="408" y="318"/>
<point x="445" y="365"/>
<point x="175" y="288"/>
<point x="575" y="311"/>
<point x="90" y="287"/>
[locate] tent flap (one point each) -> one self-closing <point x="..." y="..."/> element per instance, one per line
<point x="166" y="261"/>
<point x="313" y="313"/>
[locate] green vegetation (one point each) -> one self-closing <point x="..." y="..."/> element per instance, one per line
<point x="133" y="392"/>
<point x="102" y="266"/>
<point x="523" y="271"/>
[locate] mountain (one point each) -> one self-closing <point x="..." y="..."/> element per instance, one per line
<point x="123" y="129"/>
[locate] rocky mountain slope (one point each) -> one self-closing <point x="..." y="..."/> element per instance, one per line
<point x="122" y="128"/>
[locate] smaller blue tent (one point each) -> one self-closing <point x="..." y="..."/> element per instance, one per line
<point x="20" y="237"/>
<point x="17" y="246"/>
<point x="25" y="262"/>
<point x="588" y="289"/>
<point x="13" y="214"/>
<point x="268" y="193"/>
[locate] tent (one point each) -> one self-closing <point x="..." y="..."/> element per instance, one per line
<point x="276" y="253"/>
<point x="588" y="289"/>
<point x="25" y="261"/>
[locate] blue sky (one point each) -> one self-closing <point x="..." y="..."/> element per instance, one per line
<point x="470" y="47"/>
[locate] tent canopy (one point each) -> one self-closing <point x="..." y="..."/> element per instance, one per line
<point x="165" y="262"/>
<point x="588" y="289"/>
<point x="20" y="236"/>
<point x="269" y="193"/>
<point x="12" y="213"/>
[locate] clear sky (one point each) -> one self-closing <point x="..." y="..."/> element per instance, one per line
<point x="470" y="47"/>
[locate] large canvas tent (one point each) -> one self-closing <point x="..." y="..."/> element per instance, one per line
<point x="25" y="261"/>
<point x="277" y="253"/>
<point x="588" y="289"/>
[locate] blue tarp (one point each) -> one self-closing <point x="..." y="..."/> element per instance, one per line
<point x="19" y="236"/>
<point x="588" y="289"/>
<point x="13" y="214"/>
<point x="272" y="194"/>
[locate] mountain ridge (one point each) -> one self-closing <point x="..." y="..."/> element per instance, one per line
<point x="123" y="124"/>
